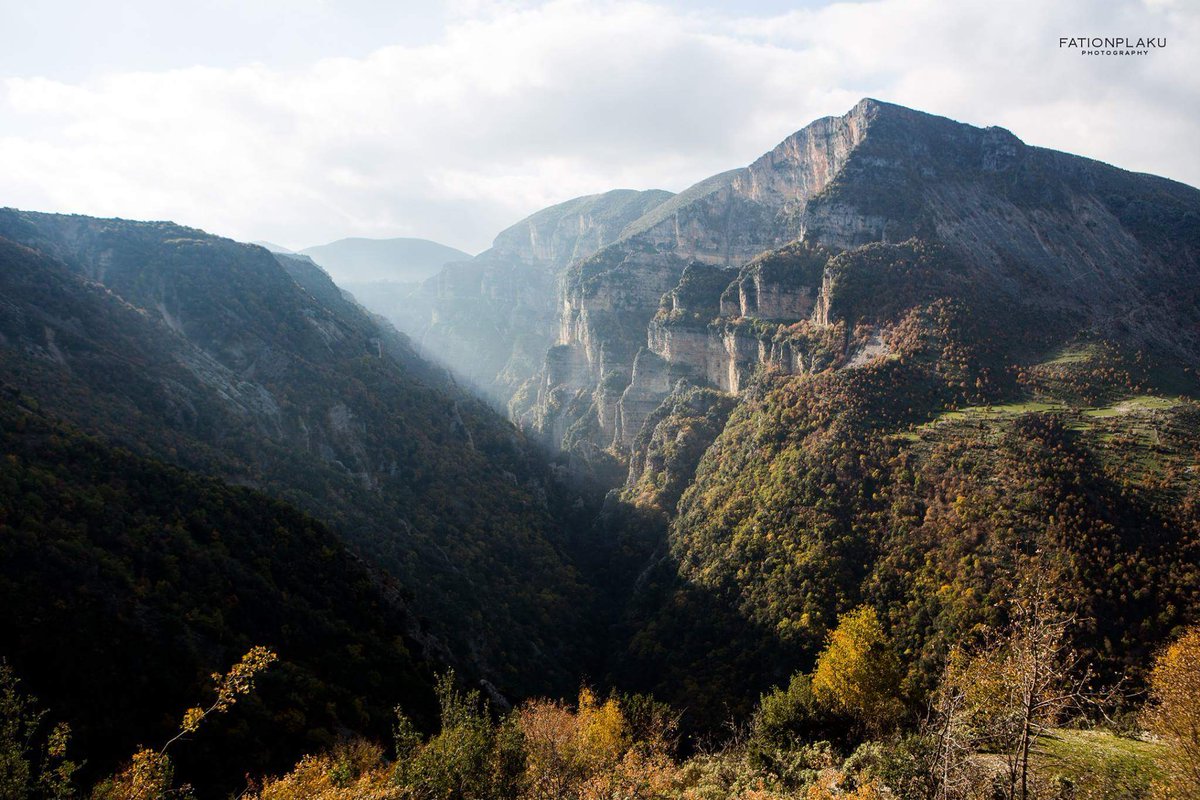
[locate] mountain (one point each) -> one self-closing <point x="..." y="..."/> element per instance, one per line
<point x="492" y="318"/>
<point x="970" y="362"/>
<point x="278" y="249"/>
<point x="224" y="360"/>
<point x="801" y="366"/>
<point x="366" y="261"/>
<point x="1056" y="234"/>
<point x="898" y="366"/>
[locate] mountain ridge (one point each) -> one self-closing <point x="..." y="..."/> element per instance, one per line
<point x="222" y="359"/>
<point x="880" y="173"/>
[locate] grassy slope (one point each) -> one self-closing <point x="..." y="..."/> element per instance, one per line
<point x="1099" y="765"/>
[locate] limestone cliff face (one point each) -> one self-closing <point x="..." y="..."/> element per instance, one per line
<point x="723" y="326"/>
<point x="492" y="318"/>
<point x="754" y="295"/>
<point x="728" y="353"/>
<point x="609" y="302"/>
<point x="732" y="217"/>
<point x="1020" y="224"/>
<point x="576" y="229"/>
<point x="651" y="381"/>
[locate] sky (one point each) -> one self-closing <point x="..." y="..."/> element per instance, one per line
<point x="305" y="121"/>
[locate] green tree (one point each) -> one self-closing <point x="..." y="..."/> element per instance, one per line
<point x="462" y="761"/>
<point x="33" y="761"/>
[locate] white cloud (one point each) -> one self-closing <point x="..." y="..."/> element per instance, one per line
<point x="519" y="105"/>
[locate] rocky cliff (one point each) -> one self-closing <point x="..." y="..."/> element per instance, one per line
<point x="609" y="301"/>
<point x="493" y="318"/>
<point x="709" y="283"/>
<point x="583" y="317"/>
<point x="576" y="229"/>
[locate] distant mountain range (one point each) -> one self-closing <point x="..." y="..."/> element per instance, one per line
<point x="360" y="261"/>
<point x="275" y="248"/>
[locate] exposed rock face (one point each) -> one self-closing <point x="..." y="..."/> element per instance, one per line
<point x="492" y="318"/>
<point x="727" y="353"/>
<point x="1039" y="227"/>
<point x="781" y="285"/>
<point x="650" y="382"/>
<point x="732" y="217"/>
<point x="610" y="299"/>
<point x="569" y="231"/>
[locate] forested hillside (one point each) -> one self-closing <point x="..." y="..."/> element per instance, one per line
<point x="210" y="355"/>
<point x="126" y="582"/>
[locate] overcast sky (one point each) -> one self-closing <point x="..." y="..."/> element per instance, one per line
<point x="303" y="121"/>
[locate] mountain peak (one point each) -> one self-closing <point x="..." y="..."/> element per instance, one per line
<point x="871" y="107"/>
<point x="361" y="260"/>
<point x="278" y="249"/>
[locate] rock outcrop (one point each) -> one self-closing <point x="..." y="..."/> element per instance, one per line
<point x="610" y="300"/>
<point x="575" y="229"/>
<point x="493" y="318"/>
<point x="584" y="316"/>
<point x="1036" y="227"/>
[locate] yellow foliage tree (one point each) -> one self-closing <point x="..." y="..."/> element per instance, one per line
<point x="150" y="774"/>
<point x="567" y="752"/>
<point x="830" y="785"/>
<point x="603" y="735"/>
<point x="857" y="673"/>
<point x="1174" y="713"/>
<point x="547" y="730"/>
<point x="354" y="771"/>
<point x="238" y="681"/>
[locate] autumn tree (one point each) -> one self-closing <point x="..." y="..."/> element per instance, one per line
<point x="355" y="770"/>
<point x="1174" y="713"/>
<point x="598" y="750"/>
<point x="150" y="775"/>
<point x="1007" y="692"/>
<point x="858" y="674"/>
<point x="565" y="749"/>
